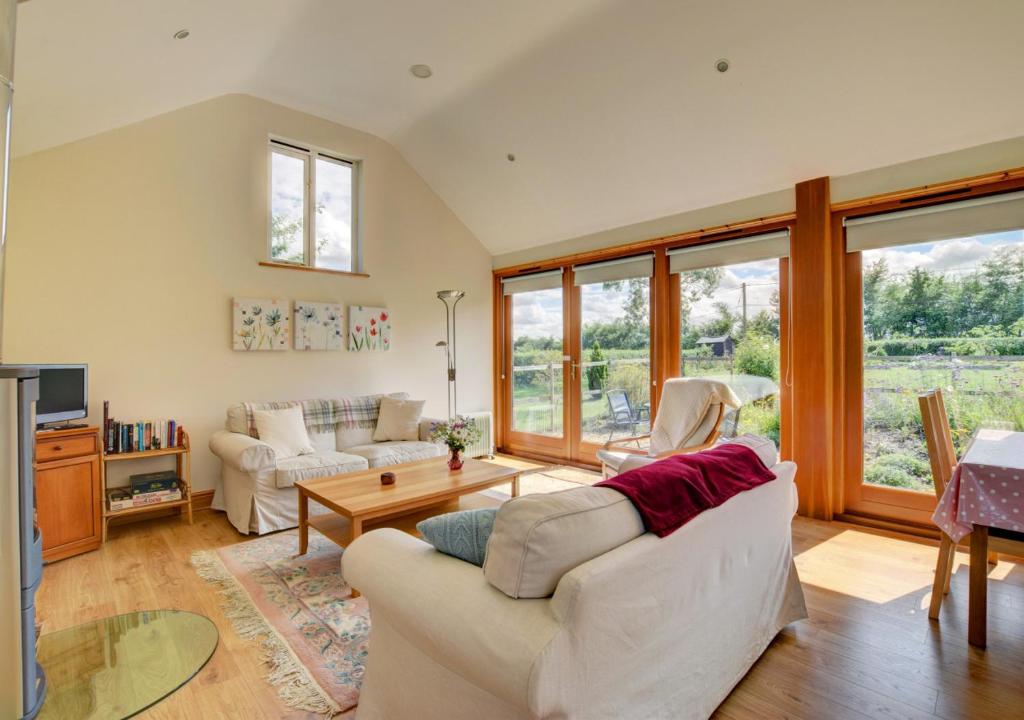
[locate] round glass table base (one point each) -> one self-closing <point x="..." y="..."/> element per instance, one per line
<point x="119" y="666"/>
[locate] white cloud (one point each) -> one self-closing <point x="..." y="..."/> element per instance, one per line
<point x="958" y="255"/>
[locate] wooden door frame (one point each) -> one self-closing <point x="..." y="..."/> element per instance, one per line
<point x="664" y="344"/>
<point x="506" y="437"/>
<point x="856" y="498"/>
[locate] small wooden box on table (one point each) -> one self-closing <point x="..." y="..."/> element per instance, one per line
<point x="360" y="497"/>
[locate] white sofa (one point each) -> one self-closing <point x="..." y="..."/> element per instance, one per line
<point x="650" y="629"/>
<point x="257" y="489"/>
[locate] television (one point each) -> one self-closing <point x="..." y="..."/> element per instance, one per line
<point x="63" y="393"/>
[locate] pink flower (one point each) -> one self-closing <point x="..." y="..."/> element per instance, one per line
<point x="359" y="328"/>
<point x="373" y="321"/>
<point x="373" y="331"/>
<point x="383" y="317"/>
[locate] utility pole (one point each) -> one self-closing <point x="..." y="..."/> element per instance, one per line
<point x="743" y="292"/>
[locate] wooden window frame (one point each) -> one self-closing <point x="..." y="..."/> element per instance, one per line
<point x="664" y="343"/>
<point x="858" y="501"/>
<point x="827" y="474"/>
<point x="309" y="155"/>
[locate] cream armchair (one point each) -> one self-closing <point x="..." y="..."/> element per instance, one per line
<point x="688" y="420"/>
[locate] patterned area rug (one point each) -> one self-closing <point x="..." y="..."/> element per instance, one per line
<point x="313" y="635"/>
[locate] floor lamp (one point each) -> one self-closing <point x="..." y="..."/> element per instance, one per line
<point x="450" y="298"/>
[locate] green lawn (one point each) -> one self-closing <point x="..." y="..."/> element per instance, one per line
<point x="978" y="393"/>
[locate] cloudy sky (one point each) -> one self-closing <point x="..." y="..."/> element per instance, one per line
<point x="539" y="314"/>
<point x="957" y="256"/>
<point x="333" y="193"/>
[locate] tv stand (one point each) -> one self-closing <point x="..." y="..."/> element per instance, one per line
<point x="67" y="425"/>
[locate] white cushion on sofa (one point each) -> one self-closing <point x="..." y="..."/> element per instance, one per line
<point x="321" y="464"/>
<point x="394" y="452"/>
<point x="284" y="430"/>
<point x="538" y="538"/>
<point x="398" y="420"/>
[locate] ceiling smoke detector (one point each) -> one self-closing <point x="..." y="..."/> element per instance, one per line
<point x="181" y="34"/>
<point x="421" y="71"/>
<point x="722" y="65"/>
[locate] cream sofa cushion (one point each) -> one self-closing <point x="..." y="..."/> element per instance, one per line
<point x="538" y="538"/>
<point x="284" y="430"/>
<point x="398" y="420"/>
<point x="322" y="464"/>
<point x="347" y="437"/>
<point x="395" y="452"/>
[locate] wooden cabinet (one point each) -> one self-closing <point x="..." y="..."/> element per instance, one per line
<point x="69" y="491"/>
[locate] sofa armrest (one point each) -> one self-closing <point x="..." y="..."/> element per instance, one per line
<point x="448" y="611"/>
<point x="242" y="452"/>
<point x="425" y="427"/>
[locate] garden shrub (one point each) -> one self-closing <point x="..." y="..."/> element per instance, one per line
<point x="757" y="355"/>
<point x="597" y="375"/>
<point x="634" y="378"/>
<point x="906" y="347"/>
<point x="897" y="470"/>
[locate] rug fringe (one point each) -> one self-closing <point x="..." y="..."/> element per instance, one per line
<point x="294" y="684"/>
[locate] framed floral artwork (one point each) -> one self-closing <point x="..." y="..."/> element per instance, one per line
<point x="369" y="328"/>
<point x="259" y="324"/>
<point x="317" y="326"/>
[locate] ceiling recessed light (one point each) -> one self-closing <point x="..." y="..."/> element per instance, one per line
<point x="421" y="71"/>
<point x="722" y="65"/>
<point x="181" y="34"/>
<point x="511" y="157"/>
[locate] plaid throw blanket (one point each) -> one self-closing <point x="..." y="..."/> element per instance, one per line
<point x="319" y="415"/>
<point x="326" y="415"/>
<point x="357" y="412"/>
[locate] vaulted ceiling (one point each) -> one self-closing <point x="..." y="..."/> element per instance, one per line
<point x="613" y="108"/>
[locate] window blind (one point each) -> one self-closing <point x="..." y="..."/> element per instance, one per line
<point x="765" y="246"/>
<point x="528" y="283"/>
<point x="611" y="270"/>
<point x="977" y="216"/>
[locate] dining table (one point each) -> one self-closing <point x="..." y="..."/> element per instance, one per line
<point x="984" y="497"/>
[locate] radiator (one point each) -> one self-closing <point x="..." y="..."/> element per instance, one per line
<point x="485" y="445"/>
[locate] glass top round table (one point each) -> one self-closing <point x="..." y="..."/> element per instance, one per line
<point x="119" y="666"/>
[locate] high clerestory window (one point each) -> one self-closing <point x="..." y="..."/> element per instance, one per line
<point x="313" y="208"/>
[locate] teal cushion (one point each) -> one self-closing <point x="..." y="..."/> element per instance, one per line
<point x="460" y="534"/>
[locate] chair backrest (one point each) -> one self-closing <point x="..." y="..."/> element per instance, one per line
<point x="689" y="414"/>
<point x="618" y="403"/>
<point x="941" y="453"/>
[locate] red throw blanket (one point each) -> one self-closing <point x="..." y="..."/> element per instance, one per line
<point x="671" y="492"/>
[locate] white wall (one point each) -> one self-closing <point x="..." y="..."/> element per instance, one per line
<point x="125" y="249"/>
<point x="979" y="160"/>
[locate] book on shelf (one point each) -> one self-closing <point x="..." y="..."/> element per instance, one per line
<point x="121" y="498"/>
<point x="163" y="481"/>
<point x="140" y="435"/>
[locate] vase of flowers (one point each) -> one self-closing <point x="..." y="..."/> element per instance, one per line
<point x="458" y="433"/>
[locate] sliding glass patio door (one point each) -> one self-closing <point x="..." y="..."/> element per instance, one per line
<point x="534" y="364"/>
<point x="611" y="355"/>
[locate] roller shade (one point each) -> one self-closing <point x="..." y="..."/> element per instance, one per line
<point x="612" y="270"/>
<point x="765" y="246"/>
<point x="528" y="283"/>
<point x="977" y="216"/>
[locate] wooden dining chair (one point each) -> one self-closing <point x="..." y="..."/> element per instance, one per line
<point x="942" y="457"/>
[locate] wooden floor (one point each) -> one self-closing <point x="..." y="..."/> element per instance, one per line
<point x="867" y="651"/>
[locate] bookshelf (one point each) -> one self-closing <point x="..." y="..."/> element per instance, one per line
<point x="183" y="466"/>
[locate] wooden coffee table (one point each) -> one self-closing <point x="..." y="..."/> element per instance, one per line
<point x="360" y="497"/>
